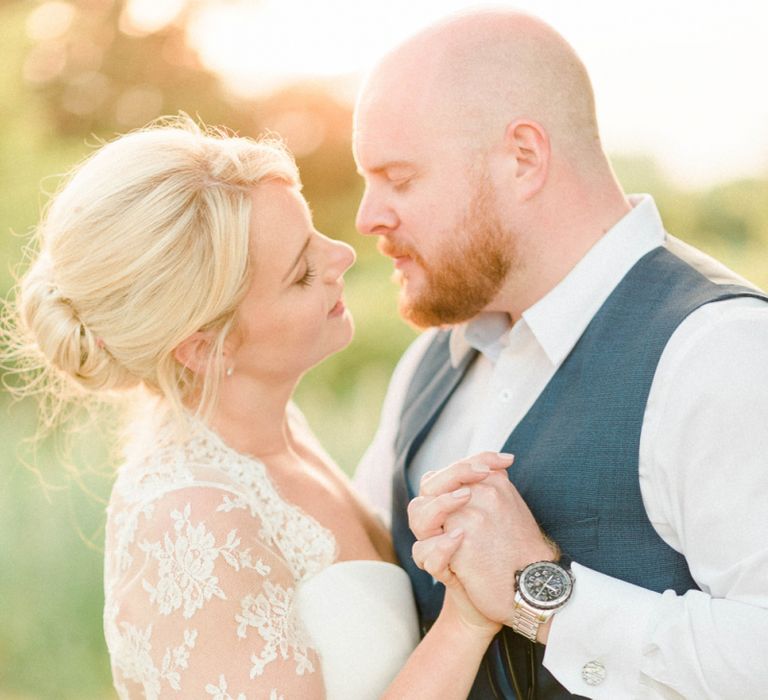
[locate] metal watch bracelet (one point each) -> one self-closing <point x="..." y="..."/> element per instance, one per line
<point x="527" y="622"/>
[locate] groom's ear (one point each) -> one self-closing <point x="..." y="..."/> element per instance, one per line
<point x="193" y="352"/>
<point x="527" y="147"/>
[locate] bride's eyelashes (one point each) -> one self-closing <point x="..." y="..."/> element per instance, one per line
<point x="306" y="279"/>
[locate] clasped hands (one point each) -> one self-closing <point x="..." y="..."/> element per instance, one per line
<point x="473" y="532"/>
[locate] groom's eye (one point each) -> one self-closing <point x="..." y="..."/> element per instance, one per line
<point x="399" y="176"/>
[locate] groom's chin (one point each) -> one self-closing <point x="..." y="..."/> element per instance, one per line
<point x="439" y="308"/>
<point x="418" y="315"/>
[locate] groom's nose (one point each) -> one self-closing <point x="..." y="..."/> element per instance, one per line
<point x="374" y="215"/>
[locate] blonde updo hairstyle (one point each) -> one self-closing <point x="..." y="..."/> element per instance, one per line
<point x="146" y="243"/>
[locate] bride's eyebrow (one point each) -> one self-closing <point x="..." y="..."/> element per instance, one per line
<point x="296" y="259"/>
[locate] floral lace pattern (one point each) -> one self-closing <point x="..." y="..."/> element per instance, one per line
<point x="186" y="565"/>
<point x="271" y="615"/>
<point x="202" y="561"/>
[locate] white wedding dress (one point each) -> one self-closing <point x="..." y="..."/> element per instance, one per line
<point x="216" y="587"/>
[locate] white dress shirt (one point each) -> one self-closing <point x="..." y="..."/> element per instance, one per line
<point x="703" y="473"/>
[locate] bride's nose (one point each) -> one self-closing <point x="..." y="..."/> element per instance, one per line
<point x="341" y="256"/>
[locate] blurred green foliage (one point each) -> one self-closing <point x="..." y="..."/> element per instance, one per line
<point x="61" y="87"/>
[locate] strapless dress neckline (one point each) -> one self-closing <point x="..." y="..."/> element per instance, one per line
<point x="362" y="620"/>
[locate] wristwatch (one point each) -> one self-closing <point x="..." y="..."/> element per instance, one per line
<point x="541" y="589"/>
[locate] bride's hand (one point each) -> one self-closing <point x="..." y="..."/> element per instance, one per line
<point x="434" y="556"/>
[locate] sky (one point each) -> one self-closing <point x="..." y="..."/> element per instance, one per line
<point x="683" y="80"/>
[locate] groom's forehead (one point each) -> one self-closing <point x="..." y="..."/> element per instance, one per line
<point x="377" y="154"/>
<point x="376" y="144"/>
<point x="384" y="138"/>
<point x="394" y="107"/>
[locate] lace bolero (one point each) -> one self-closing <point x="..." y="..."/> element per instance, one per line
<point x="203" y="558"/>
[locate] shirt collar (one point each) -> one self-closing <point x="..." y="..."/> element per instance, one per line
<point x="559" y="318"/>
<point x="487" y="332"/>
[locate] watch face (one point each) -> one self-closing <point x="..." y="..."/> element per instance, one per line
<point x="545" y="585"/>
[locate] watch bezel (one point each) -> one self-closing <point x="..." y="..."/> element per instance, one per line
<point x="553" y="604"/>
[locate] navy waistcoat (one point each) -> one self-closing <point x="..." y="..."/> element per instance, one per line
<point x="576" y="454"/>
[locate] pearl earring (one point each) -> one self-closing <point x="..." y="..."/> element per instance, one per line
<point x="230" y="371"/>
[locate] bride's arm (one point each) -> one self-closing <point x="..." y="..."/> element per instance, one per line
<point x="445" y="663"/>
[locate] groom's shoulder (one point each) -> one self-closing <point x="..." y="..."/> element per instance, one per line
<point x="730" y="333"/>
<point x="705" y="264"/>
<point x="731" y="314"/>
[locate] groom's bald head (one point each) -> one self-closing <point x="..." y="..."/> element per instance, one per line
<point x="474" y="74"/>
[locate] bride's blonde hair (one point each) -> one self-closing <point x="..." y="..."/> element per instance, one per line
<point x="146" y="243"/>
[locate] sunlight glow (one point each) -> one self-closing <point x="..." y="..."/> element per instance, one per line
<point x="50" y="20"/>
<point x="147" y="16"/>
<point x="258" y="46"/>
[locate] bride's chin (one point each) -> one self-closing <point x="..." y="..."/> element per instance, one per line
<point x="343" y="342"/>
<point x="340" y="340"/>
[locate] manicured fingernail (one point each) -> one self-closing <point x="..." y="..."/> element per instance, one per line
<point x="506" y="455"/>
<point x="461" y="493"/>
<point x="479" y="468"/>
<point x="455" y="533"/>
<point x="427" y="475"/>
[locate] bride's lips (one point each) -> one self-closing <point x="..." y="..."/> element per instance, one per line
<point x="338" y="309"/>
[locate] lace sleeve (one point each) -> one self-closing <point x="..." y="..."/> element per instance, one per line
<point x="198" y="606"/>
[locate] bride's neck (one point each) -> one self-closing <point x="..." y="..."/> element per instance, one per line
<point x="253" y="418"/>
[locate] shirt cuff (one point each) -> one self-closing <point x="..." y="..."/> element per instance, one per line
<point x="595" y="642"/>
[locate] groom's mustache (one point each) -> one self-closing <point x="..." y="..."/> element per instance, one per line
<point x="393" y="250"/>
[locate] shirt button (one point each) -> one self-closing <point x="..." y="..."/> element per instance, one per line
<point x="593" y="673"/>
<point x="505" y="396"/>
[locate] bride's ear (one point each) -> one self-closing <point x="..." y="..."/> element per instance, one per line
<point x="193" y="352"/>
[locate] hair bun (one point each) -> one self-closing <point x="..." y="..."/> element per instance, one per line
<point x="66" y="342"/>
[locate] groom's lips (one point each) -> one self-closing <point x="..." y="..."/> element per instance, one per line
<point x="403" y="258"/>
<point x="391" y="250"/>
<point x="401" y="261"/>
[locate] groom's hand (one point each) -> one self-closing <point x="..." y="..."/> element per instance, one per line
<point x="500" y="535"/>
